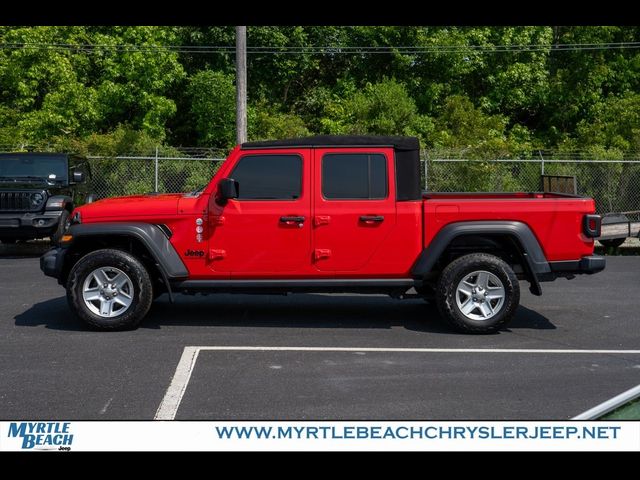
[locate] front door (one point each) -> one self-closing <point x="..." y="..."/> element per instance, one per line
<point x="354" y="208"/>
<point x="266" y="231"/>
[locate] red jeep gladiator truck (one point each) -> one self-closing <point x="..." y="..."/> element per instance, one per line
<point x="323" y="214"/>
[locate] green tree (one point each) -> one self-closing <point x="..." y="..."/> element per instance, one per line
<point x="265" y="122"/>
<point x="519" y="88"/>
<point x="383" y="108"/>
<point x="213" y="108"/>
<point x="76" y="91"/>
<point x="463" y="129"/>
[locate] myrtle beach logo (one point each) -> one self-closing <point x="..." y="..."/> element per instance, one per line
<point x="42" y="435"/>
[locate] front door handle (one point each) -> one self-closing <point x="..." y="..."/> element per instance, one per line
<point x="292" y="221"/>
<point x="371" y="218"/>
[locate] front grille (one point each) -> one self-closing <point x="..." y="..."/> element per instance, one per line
<point x="18" y="202"/>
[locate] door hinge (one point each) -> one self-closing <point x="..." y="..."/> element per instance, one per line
<point x="217" y="254"/>
<point x="321" y="220"/>
<point x="321" y="253"/>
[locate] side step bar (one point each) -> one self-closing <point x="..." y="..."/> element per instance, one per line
<point x="359" y="285"/>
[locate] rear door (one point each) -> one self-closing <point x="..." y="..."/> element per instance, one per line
<point x="354" y="207"/>
<point x="266" y="231"/>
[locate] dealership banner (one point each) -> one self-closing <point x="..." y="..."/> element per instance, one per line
<point x="62" y="436"/>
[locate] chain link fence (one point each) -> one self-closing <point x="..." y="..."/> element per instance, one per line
<point x="129" y="175"/>
<point x="615" y="184"/>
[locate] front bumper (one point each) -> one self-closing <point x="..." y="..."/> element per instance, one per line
<point x="52" y="262"/>
<point x="29" y="225"/>
<point x="586" y="265"/>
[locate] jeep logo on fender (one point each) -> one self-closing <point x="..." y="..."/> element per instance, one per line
<point x="194" y="253"/>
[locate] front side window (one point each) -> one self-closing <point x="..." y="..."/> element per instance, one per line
<point x="351" y="176"/>
<point x="269" y="177"/>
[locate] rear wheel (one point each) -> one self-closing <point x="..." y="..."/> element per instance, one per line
<point x="478" y="293"/>
<point x="110" y="290"/>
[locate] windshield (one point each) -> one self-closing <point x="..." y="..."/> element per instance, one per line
<point x="32" y="167"/>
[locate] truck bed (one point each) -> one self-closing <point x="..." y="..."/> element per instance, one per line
<point x="555" y="218"/>
<point x="494" y="195"/>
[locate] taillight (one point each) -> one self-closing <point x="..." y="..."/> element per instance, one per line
<point x="591" y="225"/>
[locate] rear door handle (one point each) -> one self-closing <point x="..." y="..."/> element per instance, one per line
<point x="371" y="218"/>
<point x="292" y="221"/>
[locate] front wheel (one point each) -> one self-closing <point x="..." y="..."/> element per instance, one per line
<point x="110" y="290"/>
<point x="478" y="293"/>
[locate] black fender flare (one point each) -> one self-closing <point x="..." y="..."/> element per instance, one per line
<point x="536" y="262"/>
<point x="151" y="236"/>
<point x="59" y="202"/>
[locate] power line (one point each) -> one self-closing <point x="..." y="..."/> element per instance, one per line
<point x="323" y="50"/>
<point x="323" y="47"/>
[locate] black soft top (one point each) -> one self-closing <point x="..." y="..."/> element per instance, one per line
<point x="407" y="155"/>
<point x="33" y="154"/>
<point x="398" y="143"/>
<point x="67" y="156"/>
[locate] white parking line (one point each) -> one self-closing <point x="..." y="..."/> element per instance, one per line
<point x="171" y="402"/>
<point x="172" y="398"/>
<point x="609" y="405"/>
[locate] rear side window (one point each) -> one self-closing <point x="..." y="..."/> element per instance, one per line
<point x="269" y="177"/>
<point x="351" y="176"/>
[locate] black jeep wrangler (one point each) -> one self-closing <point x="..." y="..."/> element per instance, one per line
<point x="38" y="191"/>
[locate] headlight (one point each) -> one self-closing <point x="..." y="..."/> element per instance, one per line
<point x="36" y="199"/>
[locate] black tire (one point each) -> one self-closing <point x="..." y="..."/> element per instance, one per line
<point x="612" y="243"/>
<point x="63" y="224"/>
<point x="460" y="268"/>
<point x="142" y="289"/>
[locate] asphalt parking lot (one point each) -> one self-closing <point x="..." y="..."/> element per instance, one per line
<point x="51" y="367"/>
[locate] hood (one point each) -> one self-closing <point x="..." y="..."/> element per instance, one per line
<point x="132" y="206"/>
<point x="25" y="184"/>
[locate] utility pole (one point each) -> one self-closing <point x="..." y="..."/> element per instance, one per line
<point x="241" y="84"/>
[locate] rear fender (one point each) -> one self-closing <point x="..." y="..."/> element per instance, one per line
<point x="535" y="262"/>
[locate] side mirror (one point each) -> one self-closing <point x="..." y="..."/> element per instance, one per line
<point x="228" y="189"/>
<point x="51" y="179"/>
<point x="78" y="176"/>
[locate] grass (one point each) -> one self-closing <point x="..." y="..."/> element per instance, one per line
<point x="629" y="411"/>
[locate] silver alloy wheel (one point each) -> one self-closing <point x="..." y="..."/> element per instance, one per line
<point x="107" y="292"/>
<point x="480" y="295"/>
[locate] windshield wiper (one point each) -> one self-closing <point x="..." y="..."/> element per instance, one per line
<point x="31" y="177"/>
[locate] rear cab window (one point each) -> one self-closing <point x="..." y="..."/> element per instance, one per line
<point x="354" y="176"/>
